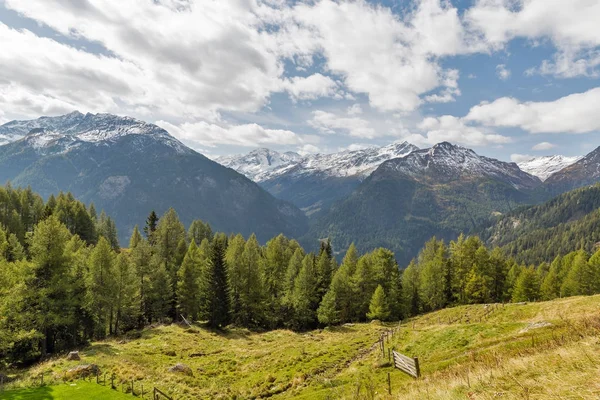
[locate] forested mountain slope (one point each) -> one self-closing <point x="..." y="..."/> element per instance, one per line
<point x="128" y="168"/>
<point x="441" y="191"/>
<point x="542" y="232"/>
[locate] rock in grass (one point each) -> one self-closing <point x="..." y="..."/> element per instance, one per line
<point x="73" y="356"/>
<point x="181" y="368"/>
<point x="82" y="371"/>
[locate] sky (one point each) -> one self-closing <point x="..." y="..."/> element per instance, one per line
<point x="508" y="78"/>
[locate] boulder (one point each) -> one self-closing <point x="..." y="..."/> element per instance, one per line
<point x="73" y="356"/>
<point x="82" y="371"/>
<point x="181" y="368"/>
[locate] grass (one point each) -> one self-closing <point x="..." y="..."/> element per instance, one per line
<point x="77" y="390"/>
<point x="548" y="350"/>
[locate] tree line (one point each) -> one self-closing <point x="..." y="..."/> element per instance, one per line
<point x="64" y="280"/>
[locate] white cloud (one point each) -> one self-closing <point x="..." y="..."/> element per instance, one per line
<point x="543" y="146"/>
<point x="571" y="26"/>
<point x="191" y="61"/>
<point x="575" y="113"/>
<point x="308" y="149"/>
<point x="355" y="109"/>
<point x="327" y="122"/>
<point x="356" y="146"/>
<point x="393" y="60"/>
<point x="502" y="72"/>
<point x="518" y="158"/>
<point x="249" y="135"/>
<point x="311" y="87"/>
<point x="455" y="130"/>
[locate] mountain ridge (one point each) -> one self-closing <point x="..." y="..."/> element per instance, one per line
<point x="129" y="168"/>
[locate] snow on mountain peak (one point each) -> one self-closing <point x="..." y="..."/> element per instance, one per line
<point x="446" y="161"/>
<point x="75" y="128"/>
<point x="263" y="164"/>
<point x="543" y="167"/>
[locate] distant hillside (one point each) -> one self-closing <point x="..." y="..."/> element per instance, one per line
<point x="541" y="232"/>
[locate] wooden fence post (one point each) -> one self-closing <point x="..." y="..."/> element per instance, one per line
<point x="132" y="392"/>
<point x="417" y="366"/>
<point x="389" y="355"/>
<point x="42" y="379"/>
<point x="142" y="386"/>
<point x="112" y="381"/>
<point x="154" y="394"/>
<point x="389" y="384"/>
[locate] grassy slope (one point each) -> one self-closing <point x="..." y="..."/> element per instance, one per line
<point x="463" y="352"/>
<point x="78" y="390"/>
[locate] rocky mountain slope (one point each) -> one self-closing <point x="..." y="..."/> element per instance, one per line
<point x="584" y="172"/>
<point x="129" y="167"/>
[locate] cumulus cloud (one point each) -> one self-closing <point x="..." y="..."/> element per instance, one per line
<point x="502" y="72"/>
<point x="355" y="109"/>
<point x="311" y="87"/>
<point x="248" y="135"/>
<point x="518" y="158"/>
<point x="543" y="146"/>
<point x="453" y="129"/>
<point x="327" y="122"/>
<point x="575" y="113"/>
<point x="572" y="27"/>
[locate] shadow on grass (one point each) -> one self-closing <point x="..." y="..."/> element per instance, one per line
<point x="100" y="348"/>
<point x="41" y="393"/>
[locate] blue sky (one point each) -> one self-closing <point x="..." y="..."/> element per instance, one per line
<point x="508" y="78"/>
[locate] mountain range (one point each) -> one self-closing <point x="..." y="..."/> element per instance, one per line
<point x="396" y="196"/>
<point x="313" y="182"/>
<point x="129" y="168"/>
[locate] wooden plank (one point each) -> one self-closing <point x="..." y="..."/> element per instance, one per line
<point x="406" y="364"/>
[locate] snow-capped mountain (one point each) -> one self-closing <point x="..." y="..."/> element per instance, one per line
<point x="260" y="164"/>
<point x="586" y="171"/>
<point x="315" y="181"/>
<point x="543" y="167"/>
<point x="263" y="164"/>
<point x="441" y="191"/>
<point x="446" y="161"/>
<point x="129" y="167"/>
<point x="60" y="134"/>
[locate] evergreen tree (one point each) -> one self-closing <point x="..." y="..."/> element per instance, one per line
<point x="47" y="293"/>
<point x="188" y="286"/>
<point x="305" y="297"/>
<point x="433" y="264"/>
<point x="102" y="287"/>
<point x="135" y="238"/>
<point x="199" y="231"/>
<point x="151" y="224"/>
<point x="160" y="295"/>
<point x="216" y="302"/>
<point x="127" y="306"/>
<point x="527" y="287"/>
<point x="410" y="289"/>
<point x="579" y="279"/>
<point x="378" y="307"/>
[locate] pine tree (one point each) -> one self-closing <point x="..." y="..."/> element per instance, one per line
<point x="102" y="286"/>
<point x="216" y="302"/>
<point x="47" y="290"/>
<point x="527" y="286"/>
<point x="305" y="297"/>
<point x="126" y="292"/>
<point x="199" y="231"/>
<point x="378" y="307"/>
<point x="151" y="224"/>
<point x="579" y="279"/>
<point x="410" y="289"/>
<point x="160" y="294"/>
<point x="135" y="238"/>
<point x="188" y="286"/>
<point x="432" y="263"/>
<point x="275" y="266"/>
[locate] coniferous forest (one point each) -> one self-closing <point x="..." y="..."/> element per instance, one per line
<point x="65" y="279"/>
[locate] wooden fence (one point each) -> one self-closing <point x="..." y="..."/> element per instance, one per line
<point x="406" y="364"/>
